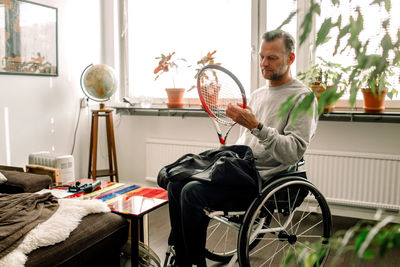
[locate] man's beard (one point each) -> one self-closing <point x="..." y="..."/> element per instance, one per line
<point x="275" y="77"/>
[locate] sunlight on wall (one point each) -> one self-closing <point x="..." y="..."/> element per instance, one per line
<point x="7" y="136"/>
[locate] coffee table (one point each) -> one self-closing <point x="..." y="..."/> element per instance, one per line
<point x="130" y="201"/>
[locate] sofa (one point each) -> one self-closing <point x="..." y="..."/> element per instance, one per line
<point x="97" y="241"/>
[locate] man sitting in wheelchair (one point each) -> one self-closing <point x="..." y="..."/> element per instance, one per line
<point x="277" y="146"/>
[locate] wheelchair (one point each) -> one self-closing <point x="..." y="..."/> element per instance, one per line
<point x="289" y="212"/>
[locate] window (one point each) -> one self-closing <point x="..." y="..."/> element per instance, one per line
<point x="190" y="29"/>
<point x="374" y="15"/>
<point x="233" y="28"/>
<point x="275" y="19"/>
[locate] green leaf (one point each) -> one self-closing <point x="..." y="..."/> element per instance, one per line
<point x="360" y="239"/>
<point x="286" y="107"/>
<point x="342" y="33"/>
<point x="307" y="23"/>
<point x="324" y="31"/>
<point x="368" y="61"/>
<point x="369" y="254"/>
<point x="387" y="4"/>
<point x="383" y="248"/>
<point x="335" y="2"/>
<point x="385" y="23"/>
<point x="356" y="26"/>
<point x="386" y="44"/>
<point x="338" y="22"/>
<point x="353" y="92"/>
<point x="306" y="27"/>
<point x="392" y="93"/>
<point x="311" y="259"/>
<point x="304" y="106"/>
<point x="287" y="20"/>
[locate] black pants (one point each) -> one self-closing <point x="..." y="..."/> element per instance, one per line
<point x="188" y="220"/>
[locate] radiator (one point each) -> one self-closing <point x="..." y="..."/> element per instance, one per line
<point x="356" y="179"/>
<point x="161" y="152"/>
<point x="63" y="162"/>
<point x="347" y="178"/>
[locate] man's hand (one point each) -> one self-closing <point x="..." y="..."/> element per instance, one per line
<point x="243" y="116"/>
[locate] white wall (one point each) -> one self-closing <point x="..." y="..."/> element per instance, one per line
<point x="32" y="101"/>
<point x="366" y="137"/>
<point x="132" y="131"/>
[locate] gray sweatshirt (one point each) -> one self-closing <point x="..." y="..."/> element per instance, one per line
<point x="279" y="145"/>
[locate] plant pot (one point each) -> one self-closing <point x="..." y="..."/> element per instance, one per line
<point x="175" y="97"/>
<point x="317" y="89"/>
<point x="374" y="103"/>
<point x="210" y="93"/>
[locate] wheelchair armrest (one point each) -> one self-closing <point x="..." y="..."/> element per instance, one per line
<point x="302" y="174"/>
<point x="301" y="162"/>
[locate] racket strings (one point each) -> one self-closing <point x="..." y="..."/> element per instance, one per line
<point x="218" y="90"/>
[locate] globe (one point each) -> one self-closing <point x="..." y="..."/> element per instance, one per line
<point x="98" y="82"/>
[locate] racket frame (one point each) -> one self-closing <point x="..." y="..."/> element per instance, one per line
<point x="222" y="139"/>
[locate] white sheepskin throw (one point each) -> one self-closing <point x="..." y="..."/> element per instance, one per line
<point x="56" y="229"/>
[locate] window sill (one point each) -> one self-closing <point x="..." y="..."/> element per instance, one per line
<point x="361" y="116"/>
<point x="162" y="110"/>
<point x="340" y="115"/>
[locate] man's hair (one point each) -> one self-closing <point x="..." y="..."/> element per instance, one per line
<point x="276" y="34"/>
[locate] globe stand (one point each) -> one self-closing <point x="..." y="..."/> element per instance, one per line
<point x="112" y="170"/>
<point x="98" y="82"/>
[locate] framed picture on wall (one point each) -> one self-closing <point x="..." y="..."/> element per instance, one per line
<point x="28" y="38"/>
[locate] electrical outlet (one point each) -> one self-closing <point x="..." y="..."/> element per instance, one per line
<point x="84" y="102"/>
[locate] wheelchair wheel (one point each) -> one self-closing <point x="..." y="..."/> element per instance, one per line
<point x="221" y="240"/>
<point x="295" y="214"/>
<point x="222" y="234"/>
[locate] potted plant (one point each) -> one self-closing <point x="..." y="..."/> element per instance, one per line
<point x="166" y="64"/>
<point x="313" y="77"/>
<point x="326" y="81"/>
<point x="208" y="59"/>
<point x="375" y="86"/>
<point x="204" y="61"/>
<point x="348" y="40"/>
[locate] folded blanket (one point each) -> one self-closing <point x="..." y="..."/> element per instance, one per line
<point x="54" y="230"/>
<point x="20" y="213"/>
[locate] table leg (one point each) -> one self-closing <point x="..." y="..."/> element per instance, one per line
<point x="136" y="236"/>
<point x="134" y="242"/>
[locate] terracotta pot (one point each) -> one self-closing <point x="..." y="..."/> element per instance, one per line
<point x="210" y="93"/>
<point x="317" y="89"/>
<point x="175" y="97"/>
<point x="374" y="103"/>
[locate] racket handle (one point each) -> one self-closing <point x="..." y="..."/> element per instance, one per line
<point x="221" y="140"/>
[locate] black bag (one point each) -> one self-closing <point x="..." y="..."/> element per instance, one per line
<point x="231" y="166"/>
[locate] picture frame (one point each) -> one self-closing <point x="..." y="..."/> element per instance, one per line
<point x="28" y="38"/>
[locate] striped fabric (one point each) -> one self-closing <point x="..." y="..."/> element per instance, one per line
<point x="126" y="198"/>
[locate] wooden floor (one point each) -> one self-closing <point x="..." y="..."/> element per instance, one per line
<point x="160" y="228"/>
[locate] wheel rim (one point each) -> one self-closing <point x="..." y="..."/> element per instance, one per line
<point x="288" y="229"/>
<point x="221" y="243"/>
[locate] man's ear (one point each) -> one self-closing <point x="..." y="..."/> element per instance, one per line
<point x="291" y="58"/>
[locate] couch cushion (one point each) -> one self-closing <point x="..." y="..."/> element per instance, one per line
<point x="90" y="244"/>
<point x="22" y="182"/>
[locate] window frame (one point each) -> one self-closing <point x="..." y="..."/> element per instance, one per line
<point x="304" y="53"/>
<point x="122" y="50"/>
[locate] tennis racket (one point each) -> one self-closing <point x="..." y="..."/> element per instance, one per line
<point x="218" y="87"/>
